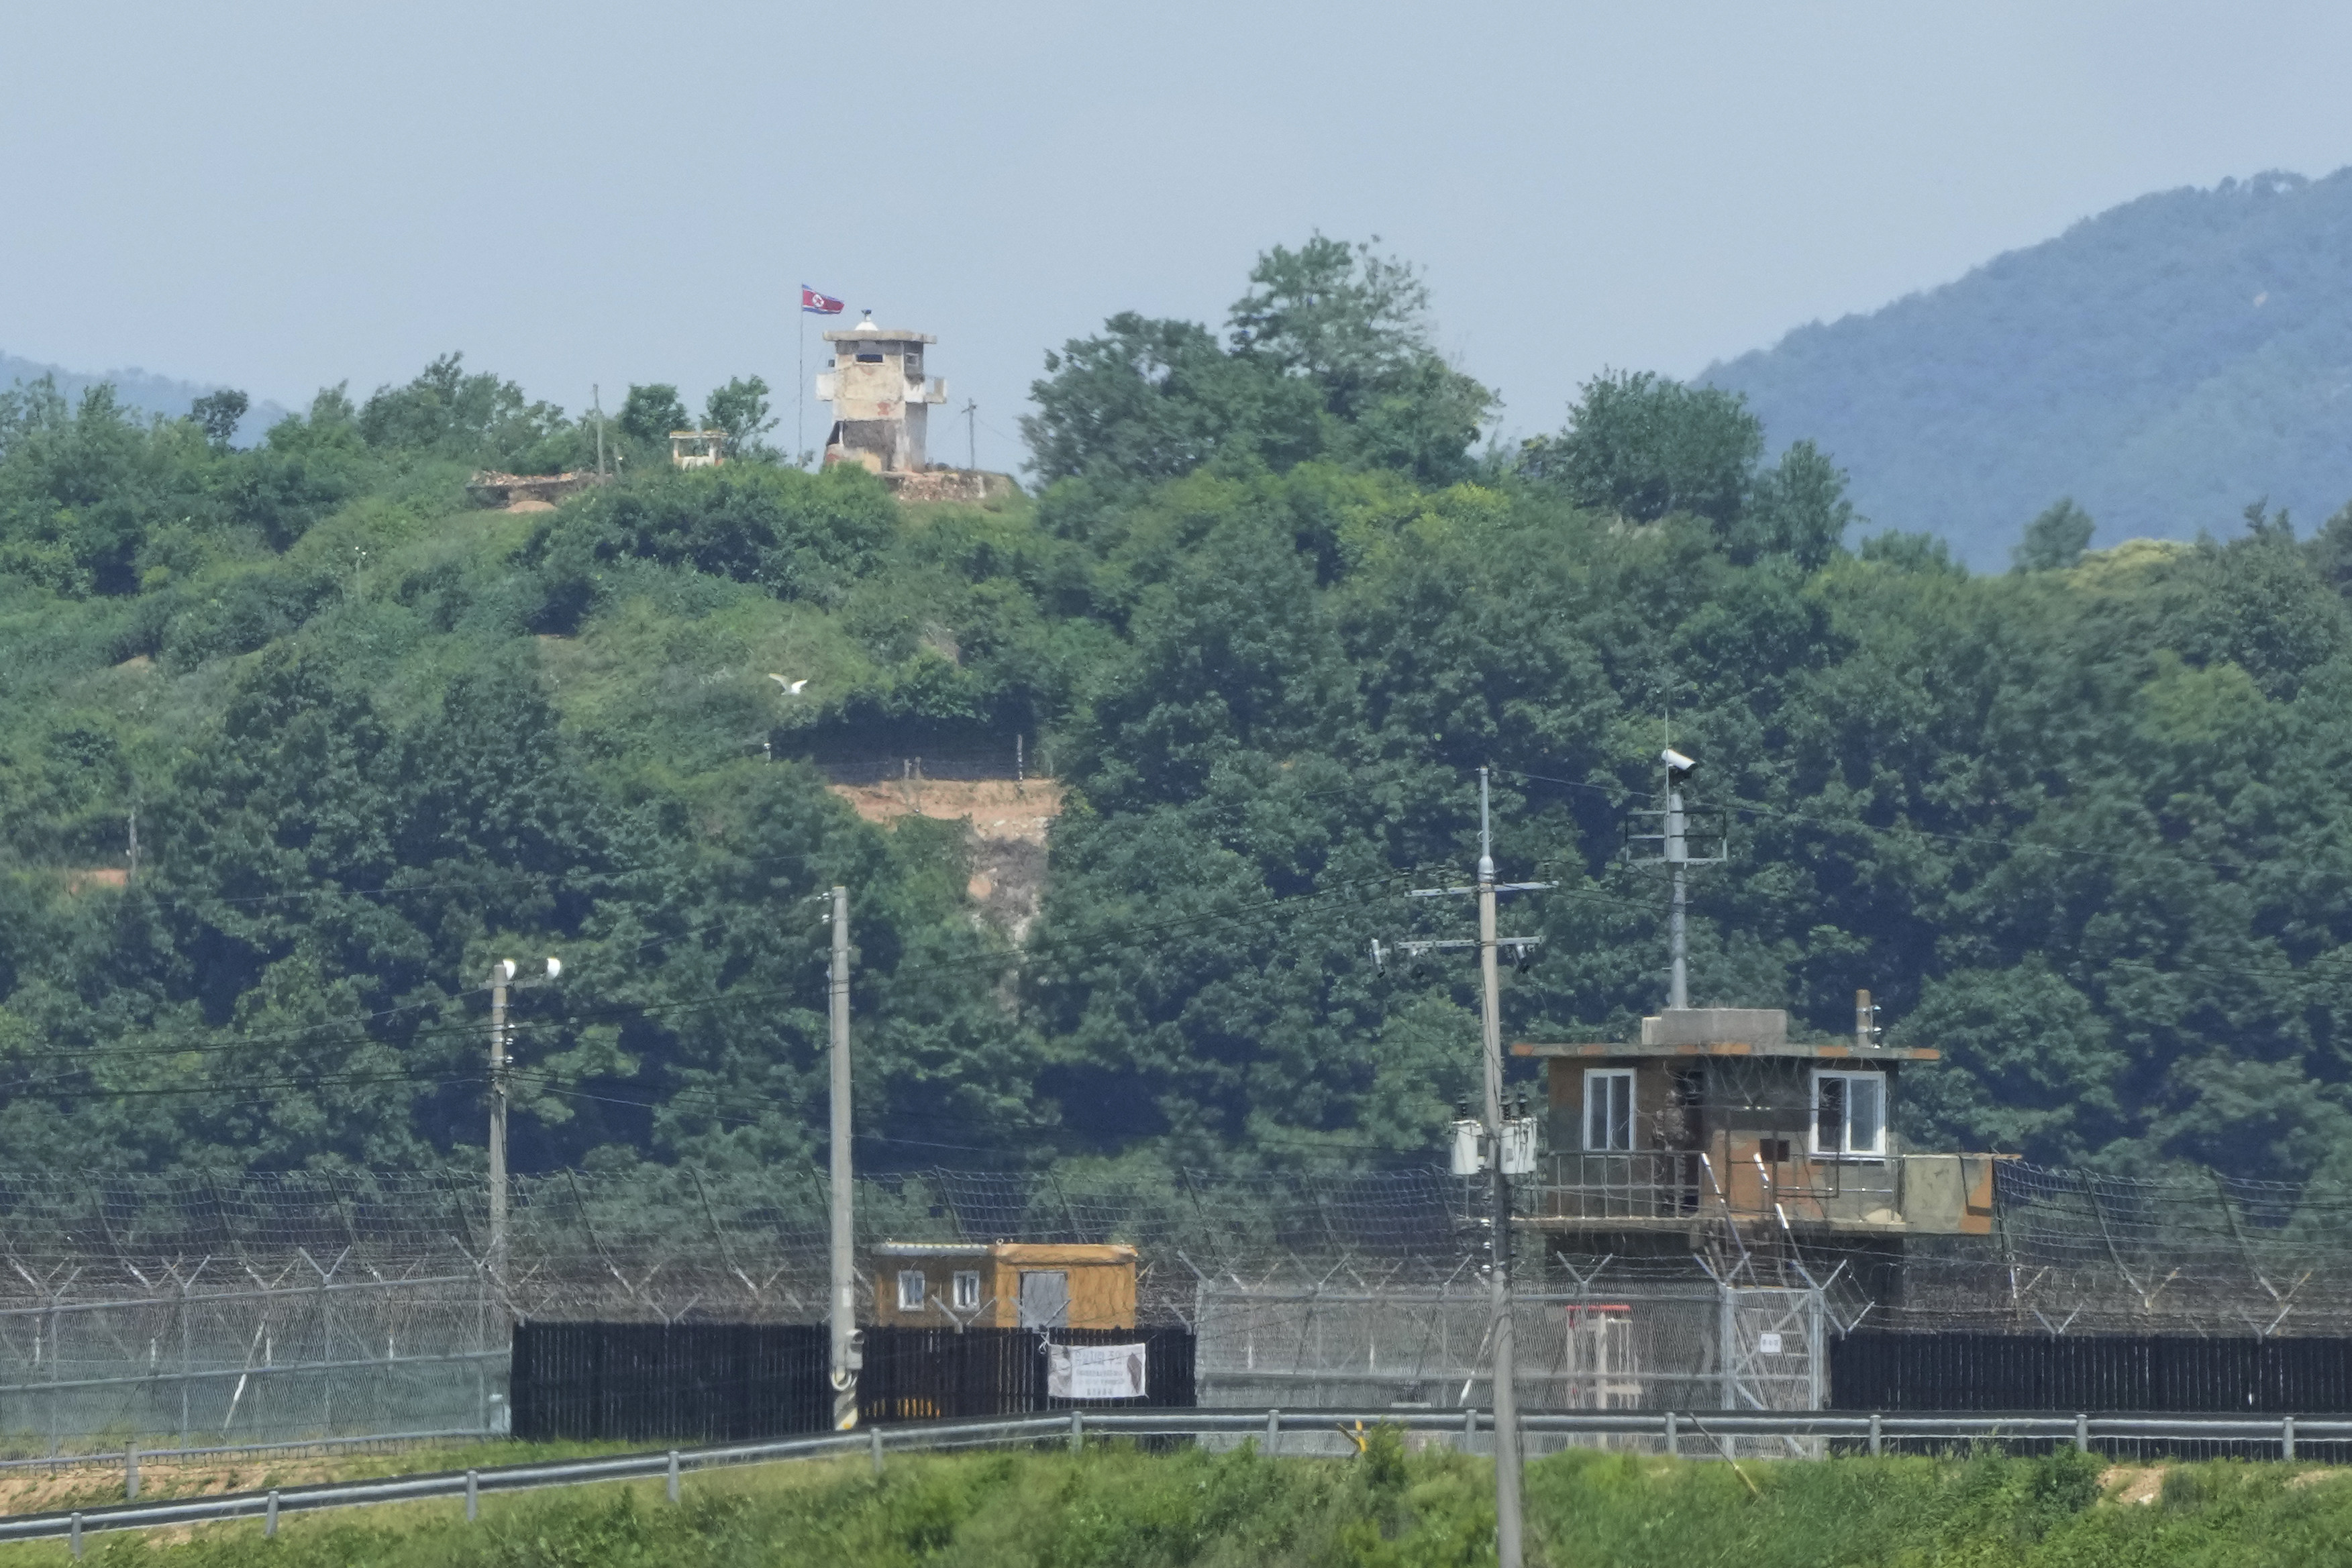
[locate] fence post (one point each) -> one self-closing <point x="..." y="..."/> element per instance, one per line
<point x="473" y="1496"/>
<point x="1469" y="1428"/>
<point x="2286" y="1436"/>
<point x="1727" y="1337"/>
<point x="876" y="1434"/>
<point x="1078" y="1430"/>
<point x="268" y="1514"/>
<point x="184" y="1354"/>
<point x="2082" y="1434"/>
<point x="1673" y="1435"/>
<point x="130" y="1471"/>
<point x="673" y="1475"/>
<point x="1273" y="1430"/>
<point x="73" y="1534"/>
<point x="1877" y="1443"/>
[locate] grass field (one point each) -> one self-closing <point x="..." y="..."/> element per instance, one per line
<point x="1389" y="1509"/>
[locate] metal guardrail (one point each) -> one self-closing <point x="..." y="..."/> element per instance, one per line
<point x="1700" y="1430"/>
<point x="128" y="1460"/>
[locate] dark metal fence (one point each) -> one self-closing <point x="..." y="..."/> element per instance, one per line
<point x="932" y="1373"/>
<point x="1878" y="1370"/>
<point x="712" y="1383"/>
<point x="735" y="1382"/>
<point x="2049" y="1373"/>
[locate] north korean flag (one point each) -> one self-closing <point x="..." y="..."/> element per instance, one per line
<point x="818" y="304"/>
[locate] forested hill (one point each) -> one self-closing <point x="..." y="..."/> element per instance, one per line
<point x="140" y="390"/>
<point x="2082" y="827"/>
<point x="2163" y="364"/>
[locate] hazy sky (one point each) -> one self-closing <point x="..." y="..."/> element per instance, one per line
<point x="285" y="195"/>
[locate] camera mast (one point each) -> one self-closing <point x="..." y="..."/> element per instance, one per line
<point x="1673" y="839"/>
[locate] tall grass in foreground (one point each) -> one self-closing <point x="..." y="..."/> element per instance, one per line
<point x="1386" y="1509"/>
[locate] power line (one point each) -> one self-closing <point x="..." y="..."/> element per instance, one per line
<point x="1121" y="938"/>
<point x="1765" y="808"/>
<point x="1129" y="935"/>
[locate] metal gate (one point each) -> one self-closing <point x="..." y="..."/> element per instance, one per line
<point x="1649" y="1345"/>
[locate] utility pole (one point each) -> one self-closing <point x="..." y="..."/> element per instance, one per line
<point x="502" y="977"/>
<point x="1509" y="1513"/>
<point x="501" y="974"/>
<point x="596" y="394"/>
<point x="846" y="1359"/>
<point x="971" y="411"/>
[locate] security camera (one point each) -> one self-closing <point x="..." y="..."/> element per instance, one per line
<point x="1678" y="767"/>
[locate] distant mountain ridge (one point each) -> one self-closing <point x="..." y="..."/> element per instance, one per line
<point x="2164" y="363"/>
<point x="140" y="390"/>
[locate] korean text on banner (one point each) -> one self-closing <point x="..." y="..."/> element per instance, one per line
<point x="1094" y="1371"/>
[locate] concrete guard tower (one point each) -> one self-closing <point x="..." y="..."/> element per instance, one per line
<point x="881" y="400"/>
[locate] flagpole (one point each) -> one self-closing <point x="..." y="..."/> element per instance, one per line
<point x="800" y="419"/>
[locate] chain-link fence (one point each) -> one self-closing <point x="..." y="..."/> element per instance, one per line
<point x="1341" y="1343"/>
<point x="258" y="1308"/>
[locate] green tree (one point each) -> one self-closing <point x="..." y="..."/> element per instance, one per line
<point x="475" y="418"/>
<point x="1910" y="552"/>
<point x="795" y="534"/>
<point x="1797" y="509"/>
<point x="303" y="470"/>
<point x="1330" y="356"/>
<point x="1354" y="324"/>
<point x="741" y="409"/>
<point x="1146" y="399"/>
<point x="2330" y="550"/>
<point x="2029" y="1066"/>
<point x="218" y="414"/>
<point x="2054" y="540"/>
<point x="82" y="493"/>
<point x="649" y="413"/>
<point x="1643" y="446"/>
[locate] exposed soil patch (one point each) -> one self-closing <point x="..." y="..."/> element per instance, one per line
<point x="997" y="808"/>
<point x="1009" y="824"/>
<point x="2133" y="1483"/>
<point x="95" y="1485"/>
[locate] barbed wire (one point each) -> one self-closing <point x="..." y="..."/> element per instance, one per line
<point x="2068" y="1251"/>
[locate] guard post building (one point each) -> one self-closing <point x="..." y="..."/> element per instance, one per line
<point x="1715" y="1116"/>
<point x="881" y="398"/>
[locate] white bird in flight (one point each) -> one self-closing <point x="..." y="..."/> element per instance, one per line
<point x="792" y="687"/>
